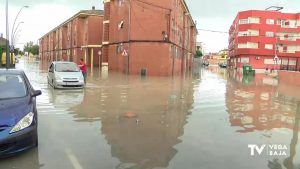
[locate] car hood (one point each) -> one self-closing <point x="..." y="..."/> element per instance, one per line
<point x="13" y="110"/>
<point x="69" y="74"/>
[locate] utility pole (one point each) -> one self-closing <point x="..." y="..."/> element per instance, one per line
<point x="7" y="39"/>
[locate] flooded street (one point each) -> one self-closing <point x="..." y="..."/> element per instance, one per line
<point x="206" y="121"/>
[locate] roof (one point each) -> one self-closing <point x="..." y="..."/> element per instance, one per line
<point x="188" y="11"/>
<point x="81" y="13"/>
<point x="2" y="41"/>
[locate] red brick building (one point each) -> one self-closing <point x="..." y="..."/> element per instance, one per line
<point x="78" y="37"/>
<point x="148" y="36"/>
<point x="265" y="39"/>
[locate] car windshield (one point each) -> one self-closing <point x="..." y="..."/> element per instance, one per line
<point x="66" y="67"/>
<point x="12" y="86"/>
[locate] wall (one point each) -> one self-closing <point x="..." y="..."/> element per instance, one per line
<point x="157" y="28"/>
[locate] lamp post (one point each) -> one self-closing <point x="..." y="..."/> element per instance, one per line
<point x="13" y="31"/>
<point x="7" y="38"/>
<point x="13" y="35"/>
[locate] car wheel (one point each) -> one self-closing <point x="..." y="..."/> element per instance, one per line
<point x="53" y="84"/>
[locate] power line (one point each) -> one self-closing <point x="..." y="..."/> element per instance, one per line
<point x="151" y="4"/>
<point x="214" y="31"/>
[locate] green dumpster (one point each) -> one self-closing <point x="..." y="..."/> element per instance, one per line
<point x="247" y="69"/>
<point x="252" y="72"/>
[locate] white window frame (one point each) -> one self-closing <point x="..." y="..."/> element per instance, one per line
<point x="269" y="46"/>
<point x="270" y="34"/>
<point x="270" y="21"/>
<point x="243" y="21"/>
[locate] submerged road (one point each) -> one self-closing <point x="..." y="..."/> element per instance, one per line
<point x="205" y="121"/>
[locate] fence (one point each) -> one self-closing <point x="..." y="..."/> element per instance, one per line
<point x="290" y="64"/>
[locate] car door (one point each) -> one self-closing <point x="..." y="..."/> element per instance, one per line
<point x="51" y="73"/>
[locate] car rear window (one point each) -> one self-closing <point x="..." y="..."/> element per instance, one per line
<point x="12" y="86"/>
<point x="66" y="67"/>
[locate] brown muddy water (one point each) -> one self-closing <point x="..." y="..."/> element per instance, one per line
<point x="209" y="120"/>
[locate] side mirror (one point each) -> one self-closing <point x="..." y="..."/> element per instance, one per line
<point x="36" y="93"/>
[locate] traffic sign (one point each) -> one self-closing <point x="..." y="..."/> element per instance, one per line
<point x="125" y="53"/>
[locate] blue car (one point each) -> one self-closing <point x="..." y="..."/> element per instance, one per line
<point x="18" y="113"/>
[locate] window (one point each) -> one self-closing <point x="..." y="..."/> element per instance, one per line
<point x="242" y="45"/>
<point x="270" y="21"/>
<point x="269" y="34"/>
<point x="119" y="48"/>
<point x="249" y="45"/>
<point x="66" y="67"/>
<point x="253" y="20"/>
<point x="252" y="45"/>
<point x="121" y="2"/>
<point x="279" y="22"/>
<point x="249" y="33"/>
<point x="243" y="21"/>
<point x="268" y="46"/>
<point x="269" y="61"/>
<point x="12" y="86"/>
<point x="244" y="60"/>
<point x="121" y="25"/>
<point x="253" y="32"/>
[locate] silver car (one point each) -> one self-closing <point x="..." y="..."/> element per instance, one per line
<point x="65" y="75"/>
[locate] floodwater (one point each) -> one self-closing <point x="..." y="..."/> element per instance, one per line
<point x="203" y="121"/>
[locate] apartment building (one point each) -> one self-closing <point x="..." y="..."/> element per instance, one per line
<point x="78" y="37"/>
<point x="148" y="37"/>
<point x="265" y="40"/>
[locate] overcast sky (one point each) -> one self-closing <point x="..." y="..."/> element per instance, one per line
<point x="44" y="15"/>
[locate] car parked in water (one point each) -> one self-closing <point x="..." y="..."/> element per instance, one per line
<point x="223" y="64"/>
<point x="18" y="113"/>
<point x="65" y="75"/>
<point x="205" y="62"/>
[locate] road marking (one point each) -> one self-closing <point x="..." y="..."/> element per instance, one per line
<point x="73" y="159"/>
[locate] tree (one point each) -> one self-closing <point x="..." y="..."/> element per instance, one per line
<point x="199" y="54"/>
<point x="31" y="48"/>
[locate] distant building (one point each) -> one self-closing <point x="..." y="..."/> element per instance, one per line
<point x="2" y="41"/>
<point x="78" y="37"/>
<point x="152" y="37"/>
<point x="265" y="39"/>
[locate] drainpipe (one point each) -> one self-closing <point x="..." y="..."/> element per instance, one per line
<point x="183" y="46"/>
<point x="129" y="36"/>
<point x="71" y="42"/>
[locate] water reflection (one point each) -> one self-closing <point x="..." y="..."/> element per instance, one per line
<point x="28" y="160"/>
<point x="288" y="163"/>
<point x="147" y="140"/>
<point x="256" y="106"/>
<point x="199" y="122"/>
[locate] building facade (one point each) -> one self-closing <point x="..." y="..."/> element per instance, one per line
<point x="148" y="37"/>
<point x="265" y="40"/>
<point x="78" y="37"/>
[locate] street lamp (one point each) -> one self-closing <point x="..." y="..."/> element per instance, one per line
<point x="12" y="30"/>
<point x="14" y="34"/>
